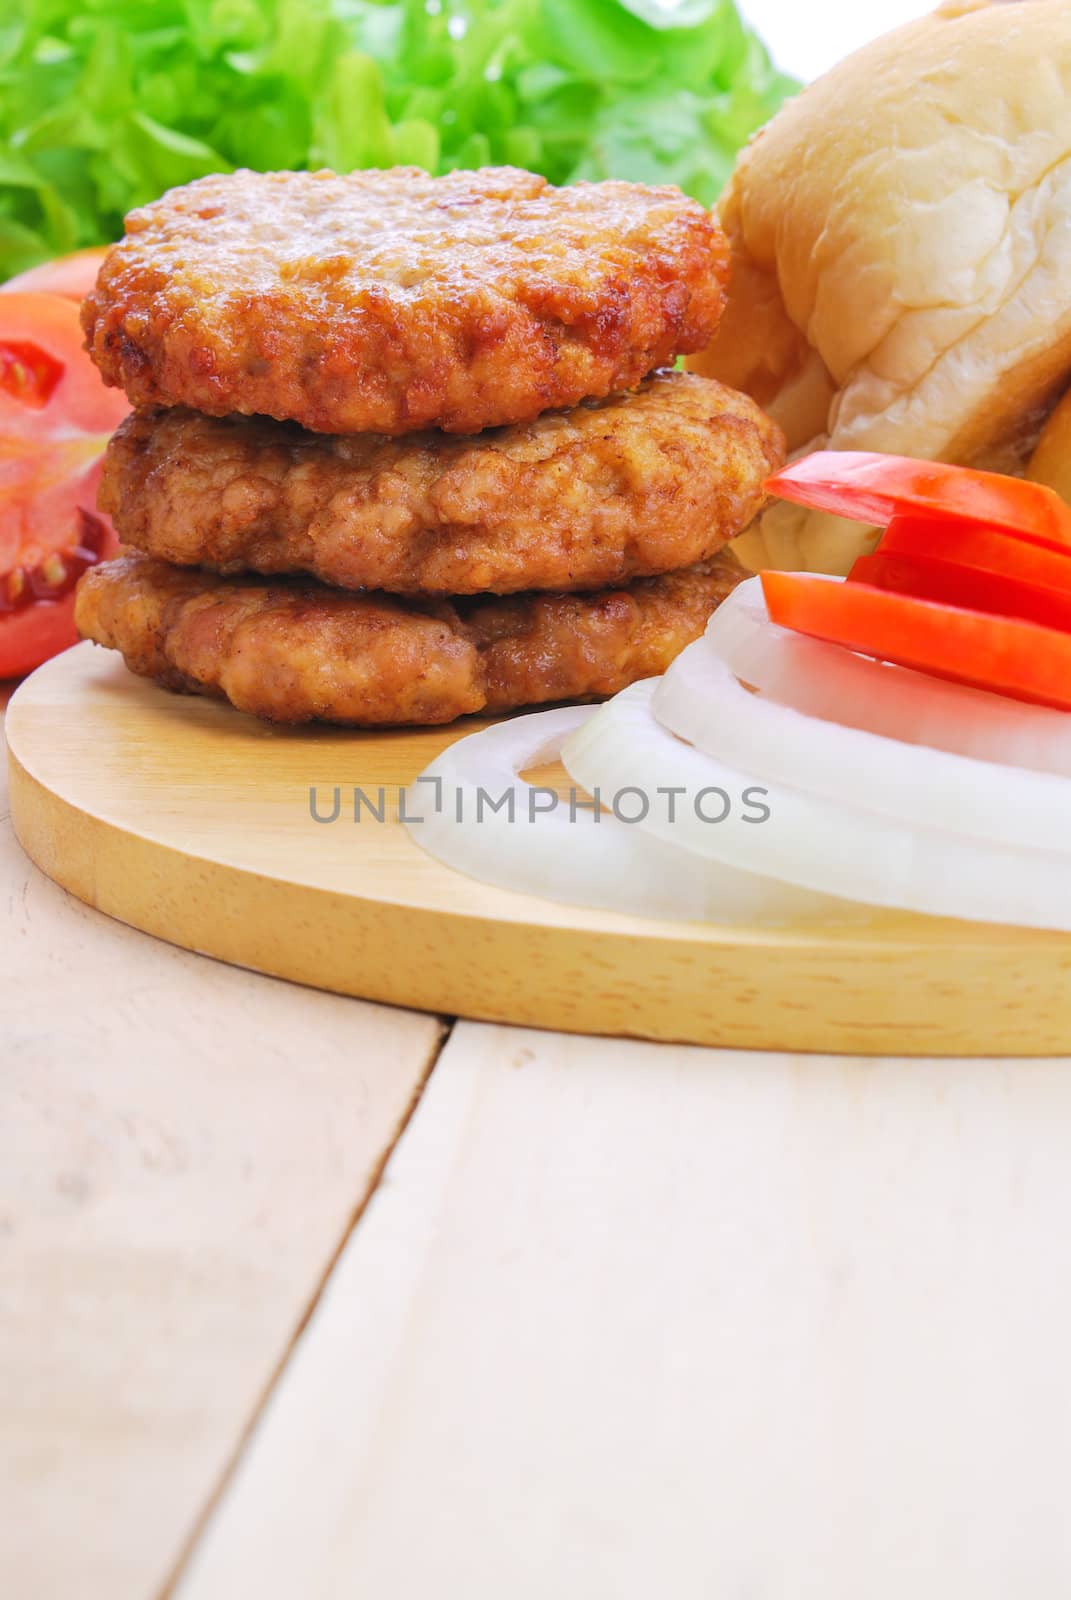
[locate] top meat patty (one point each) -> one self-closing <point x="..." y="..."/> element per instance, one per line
<point x="389" y="301"/>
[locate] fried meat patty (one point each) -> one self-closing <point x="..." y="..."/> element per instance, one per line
<point x="293" y="650"/>
<point x="614" y="489"/>
<point x="389" y="301"/>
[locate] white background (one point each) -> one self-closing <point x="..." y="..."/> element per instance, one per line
<point x="807" y="36"/>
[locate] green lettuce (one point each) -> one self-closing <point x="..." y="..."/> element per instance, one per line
<point x="106" y="103"/>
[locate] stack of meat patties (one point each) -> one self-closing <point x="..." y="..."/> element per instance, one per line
<point x="403" y="447"/>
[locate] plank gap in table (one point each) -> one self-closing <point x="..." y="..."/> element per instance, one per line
<point x="183" y="1149"/>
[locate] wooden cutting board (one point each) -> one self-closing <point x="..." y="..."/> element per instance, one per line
<point x="192" y="822"/>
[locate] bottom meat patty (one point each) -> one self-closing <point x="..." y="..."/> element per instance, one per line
<point x="294" y="650"/>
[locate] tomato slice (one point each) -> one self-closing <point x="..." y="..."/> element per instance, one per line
<point x="71" y="276"/>
<point x="55" y="419"/>
<point x="35" y="633"/>
<point x="1008" y="555"/>
<point x="876" y="488"/>
<point x="966" y="587"/>
<point x="1003" y="654"/>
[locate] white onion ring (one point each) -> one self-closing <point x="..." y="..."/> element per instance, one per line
<point x="825" y="680"/>
<point x="835" y="848"/>
<point x="607" y="864"/>
<point x="701" y="700"/>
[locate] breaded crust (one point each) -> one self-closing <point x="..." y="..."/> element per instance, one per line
<point x="388" y="301"/>
<point x="612" y="490"/>
<point x="295" y="651"/>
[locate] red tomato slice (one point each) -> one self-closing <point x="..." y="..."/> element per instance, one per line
<point x="875" y="488"/>
<point x="55" y="419"/>
<point x="966" y="587"/>
<point x="1008" y="555"/>
<point x="32" y="635"/>
<point x="1003" y="654"/>
<point x="71" y="276"/>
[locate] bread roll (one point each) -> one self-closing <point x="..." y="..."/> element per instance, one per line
<point x="1051" y="461"/>
<point x="901" y="238"/>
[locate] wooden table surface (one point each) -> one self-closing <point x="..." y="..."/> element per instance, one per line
<point x="308" y="1299"/>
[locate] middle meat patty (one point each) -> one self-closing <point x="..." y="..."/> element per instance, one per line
<point x="629" y="487"/>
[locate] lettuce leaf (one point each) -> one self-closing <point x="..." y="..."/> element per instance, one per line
<point x="105" y="103"/>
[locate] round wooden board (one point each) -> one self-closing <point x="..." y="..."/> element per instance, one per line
<point x="189" y="821"/>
